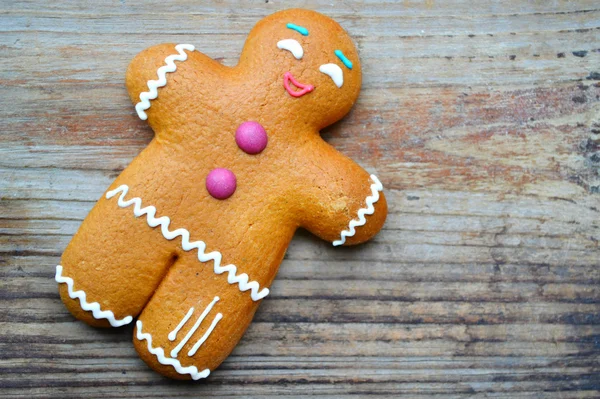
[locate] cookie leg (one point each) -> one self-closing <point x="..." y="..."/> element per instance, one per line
<point x="193" y="321"/>
<point x="112" y="266"/>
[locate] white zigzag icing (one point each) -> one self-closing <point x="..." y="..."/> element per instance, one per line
<point x="94" y="307"/>
<point x="215" y="256"/>
<point x="153" y="85"/>
<point x="376" y="187"/>
<point x="169" y="361"/>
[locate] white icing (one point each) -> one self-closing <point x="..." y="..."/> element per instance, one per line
<point x="334" y="72"/>
<point x="167" y="361"/>
<point x="232" y="278"/>
<point x="94" y="307"/>
<point x="376" y="187"/>
<point x="197" y="345"/>
<point x="153" y="85"/>
<point x="187" y="337"/>
<point x="173" y="334"/>
<point x="292" y="46"/>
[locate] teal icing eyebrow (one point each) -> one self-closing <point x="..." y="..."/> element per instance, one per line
<point x="300" y="29"/>
<point x="343" y="58"/>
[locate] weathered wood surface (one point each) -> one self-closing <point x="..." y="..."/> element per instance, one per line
<point x="482" y="119"/>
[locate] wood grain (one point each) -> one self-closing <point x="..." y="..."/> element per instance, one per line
<point x="482" y="119"/>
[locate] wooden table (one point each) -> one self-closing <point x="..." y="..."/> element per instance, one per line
<point x="482" y="121"/>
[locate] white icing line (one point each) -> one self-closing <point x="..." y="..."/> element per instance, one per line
<point x="94" y="307"/>
<point x="292" y="46"/>
<point x="187" y="337"/>
<point x="153" y="85"/>
<point x="376" y="187"/>
<point x="173" y="334"/>
<point x="241" y="280"/>
<point x="167" y="361"/>
<point x="197" y="345"/>
<point x="334" y="72"/>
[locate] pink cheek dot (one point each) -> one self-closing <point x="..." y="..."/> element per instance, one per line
<point x="221" y="183"/>
<point x="251" y="137"/>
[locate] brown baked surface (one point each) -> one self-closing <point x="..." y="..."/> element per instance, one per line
<point x="299" y="180"/>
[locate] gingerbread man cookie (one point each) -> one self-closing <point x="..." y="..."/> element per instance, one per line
<point x="190" y="236"/>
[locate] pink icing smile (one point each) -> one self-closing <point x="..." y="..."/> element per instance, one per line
<point x="288" y="78"/>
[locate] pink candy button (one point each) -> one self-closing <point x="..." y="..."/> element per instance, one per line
<point x="221" y="183"/>
<point x="251" y="137"/>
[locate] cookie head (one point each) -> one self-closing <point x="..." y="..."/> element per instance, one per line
<point x="308" y="64"/>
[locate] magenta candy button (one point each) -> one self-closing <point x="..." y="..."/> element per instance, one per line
<point x="221" y="183"/>
<point x="251" y="137"/>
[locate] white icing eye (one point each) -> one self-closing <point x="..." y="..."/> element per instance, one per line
<point x="334" y="72"/>
<point x="292" y="46"/>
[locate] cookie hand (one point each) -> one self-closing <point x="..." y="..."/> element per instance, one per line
<point x="344" y="204"/>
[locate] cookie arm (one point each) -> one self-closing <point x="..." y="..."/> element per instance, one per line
<point x="150" y="72"/>
<point x="341" y="202"/>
